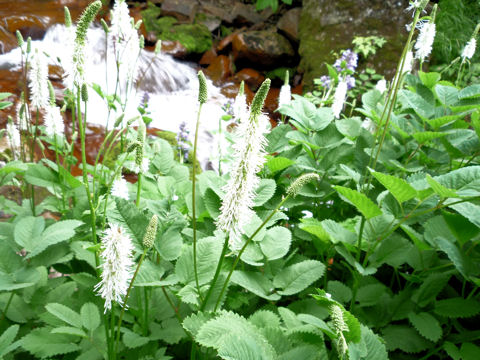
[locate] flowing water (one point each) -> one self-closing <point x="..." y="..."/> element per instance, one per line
<point x="168" y="86"/>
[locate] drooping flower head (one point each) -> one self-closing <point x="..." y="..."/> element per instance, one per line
<point x="339" y="97"/>
<point x="38" y="81"/>
<point x="120" y="188"/>
<point x="423" y="46"/>
<point x="117" y="267"/>
<point x="236" y="207"/>
<point x="469" y="49"/>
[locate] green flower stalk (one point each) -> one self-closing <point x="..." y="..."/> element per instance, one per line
<point x="20" y="41"/>
<point x="141" y="163"/>
<point x="340" y="327"/>
<point x="151" y="232"/>
<point x="68" y="17"/>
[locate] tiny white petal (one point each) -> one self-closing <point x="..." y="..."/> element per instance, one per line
<point x="120" y="188"/>
<point x="469" y="49"/>
<point x="54" y="121"/>
<point x="381" y="86"/>
<point x="117" y="265"/>
<point x="339" y="98"/>
<point x="285" y="95"/>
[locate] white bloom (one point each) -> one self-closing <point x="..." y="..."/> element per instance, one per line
<point x="381" y="86"/>
<point x="423" y="46"/>
<point x="145" y="164"/>
<point x="13" y="136"/>
<point x="469" y="49"/>
<point x="69" y="71"/>
<point x="54" y="121"/>
<point x="120" y="188"/>
<point x="21" y="117"/>
<point x="127" y="42"/>
<point x="38" y="81"/>
<point x="117" y="265"/>
<point x="240" y="190"/>
<point x="285" y="95"/>
<point x="408" y="63"/>
<point x="240" y="108"/>
<point x="339" y="98"/>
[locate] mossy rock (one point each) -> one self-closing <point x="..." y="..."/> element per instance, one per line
<point x="150" y="17"/>
<point x="195" y="37"/>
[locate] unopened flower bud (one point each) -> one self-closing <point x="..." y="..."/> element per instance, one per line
<point x="158" y="47"/>
<point x="20" y="41"/>
<point x="84" y="93"/>
<point x="29" y="45"/>
<point x="151" y="232"/>
<point x="141" y="42"/>
<point x="51" y="92"/>
<point x="68" y="18"/>
<point x="104" y="26"/>
<point x="297" y="185"/>
<point x="202" y="89"/>
<point x="259" y="99"/>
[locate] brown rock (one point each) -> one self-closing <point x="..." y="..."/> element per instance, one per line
<point x="220" y="69"/>
<point x="252" y="77"/>
<point x="180" y="9"/>
<point x="8" y="41"/>
<point x="262" y="48"/>
<point x="208" y="57"/>
<point x="246" y="14"/>
<point x="174" y="48"/>
<point x="288" y="23"/>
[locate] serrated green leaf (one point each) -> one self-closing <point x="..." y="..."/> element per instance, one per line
<point x="363" y="204"/>
<point x="278" y="163"/>
<point x="460" y="261"/>
<point x="42" y="343"/>
<point x="439" y="189"/>
<point x="133" y="340"/>
<point x="276" y="242"/>
<point x="452" y="350"/>
<point x="68" y="330"/>
<point x="256" y="283"/>
<point x="399" y="188"/>
<point x="195" y="321"/>
<point x="90" y="316"/>
<point x="426" y="325"/>
<point x="339" y="291"/>
<point x="423" y="137"/>
<point x="7" y="338"/>
<point x="470" y="92"/>
<point x="298" y="277"/>
<point x="58" y="232"/>
<point x="437" y="123"/>
<point x="469" y="210"/>
<point x="64" y="313"/>
<point x="469" y="351"/>
<point x="404" y="338"/>
<point x="264" y="191"/>
<point x="430" y="288"/>
<point x="429" y="79"/>
<point x="264" y="318"/>
<point x="244" y="347"/>
<point x="457" y="307"/>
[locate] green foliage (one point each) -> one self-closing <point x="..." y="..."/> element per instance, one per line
<point x="368" y="45"/>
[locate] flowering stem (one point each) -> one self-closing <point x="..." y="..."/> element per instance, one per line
<point x="139" y="188"/>
<point x="237" y="259"/>
<point x="126" y="298"/>
<point x="81" y="129"/>
<point x="194" y="213"/>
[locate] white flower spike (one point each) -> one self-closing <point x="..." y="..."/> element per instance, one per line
<point x="117" y="266"/>
<point x="120" y="188"/>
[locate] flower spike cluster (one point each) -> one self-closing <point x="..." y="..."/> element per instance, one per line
<point x="249" y="157"/>
<point x="117" y="266"/>
<point x="38" y="76"/>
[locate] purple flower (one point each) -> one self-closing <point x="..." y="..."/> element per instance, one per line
<point x="326" y="81"/>
<point x="348" y="60"/>
<point x="350" y="80"/>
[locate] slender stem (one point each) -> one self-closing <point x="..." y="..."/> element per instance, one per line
<point x="145" y="321"/>
<point x="217" y="273"/>
<point x="126" y="298"/>
<point x="85" y="177"/>
<point x="139" y="188"/>
<point x="235" y="263"/>
<point x="194" y="213"/>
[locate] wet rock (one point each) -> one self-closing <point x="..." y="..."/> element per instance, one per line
<point x="246" y="14"/>
<point x="220" y="69"/>
<point x="208" y="57"/>
<point x="331" y="25"/>
<point x="8" y="41"/>
<point x="288" y="23"/>
<point x="251" y="77"/>
<point x="233" y="11"/>
<point x="174" y="48"/>
<point x="180" y="9"/>
<point x="211" y="22"/>
<point x="262" y="49"/>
